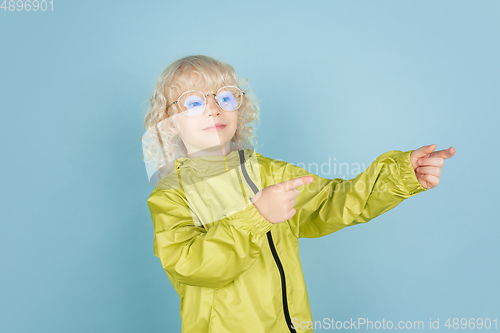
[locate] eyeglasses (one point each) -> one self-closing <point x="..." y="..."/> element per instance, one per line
<point x="193" y="103"/>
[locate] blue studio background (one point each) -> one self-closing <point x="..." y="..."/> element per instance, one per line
<point x="339" y="82"/>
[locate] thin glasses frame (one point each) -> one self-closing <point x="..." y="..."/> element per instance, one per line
<point x="205" y="100"/>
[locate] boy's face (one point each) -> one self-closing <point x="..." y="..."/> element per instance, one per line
<point x="197" y="133"/>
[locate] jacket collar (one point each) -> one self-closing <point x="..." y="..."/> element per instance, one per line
<point x="212" y="165"/>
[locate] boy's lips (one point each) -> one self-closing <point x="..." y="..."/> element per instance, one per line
<point x="215" y="127"/>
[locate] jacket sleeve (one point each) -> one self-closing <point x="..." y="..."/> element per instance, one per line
<point x="194" y="256"/>
<point x="328" y="205"/>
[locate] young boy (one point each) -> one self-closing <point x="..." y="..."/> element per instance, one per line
<point x="227" y="220"/>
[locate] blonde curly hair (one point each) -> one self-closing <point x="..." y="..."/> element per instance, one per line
<point x="162" y="144"/>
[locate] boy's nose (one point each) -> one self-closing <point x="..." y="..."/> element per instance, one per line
<point x="212" y="107"/>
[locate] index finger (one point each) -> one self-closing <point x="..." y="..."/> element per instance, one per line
<point x="293" y="183"/>
<point x="447" y="153"/>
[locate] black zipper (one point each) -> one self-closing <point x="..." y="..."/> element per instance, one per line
<point x="273" y="249"/>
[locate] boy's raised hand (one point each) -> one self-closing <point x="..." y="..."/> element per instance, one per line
<point x="276" y="202"/>
<point x="428" y="164"/>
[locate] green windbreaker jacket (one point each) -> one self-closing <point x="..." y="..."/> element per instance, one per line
<point x="235" y="271"/>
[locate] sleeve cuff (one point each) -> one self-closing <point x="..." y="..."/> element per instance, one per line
<point x="407" y="173"/>
<point x="249" y="218"/>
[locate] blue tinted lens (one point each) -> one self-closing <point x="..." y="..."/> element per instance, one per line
<point x="227" y="100"/>
<point x="194" y="105"/>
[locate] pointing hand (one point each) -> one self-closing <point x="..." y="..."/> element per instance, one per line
<point x="428" y="164"/>
<point x="276" y="202"/>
